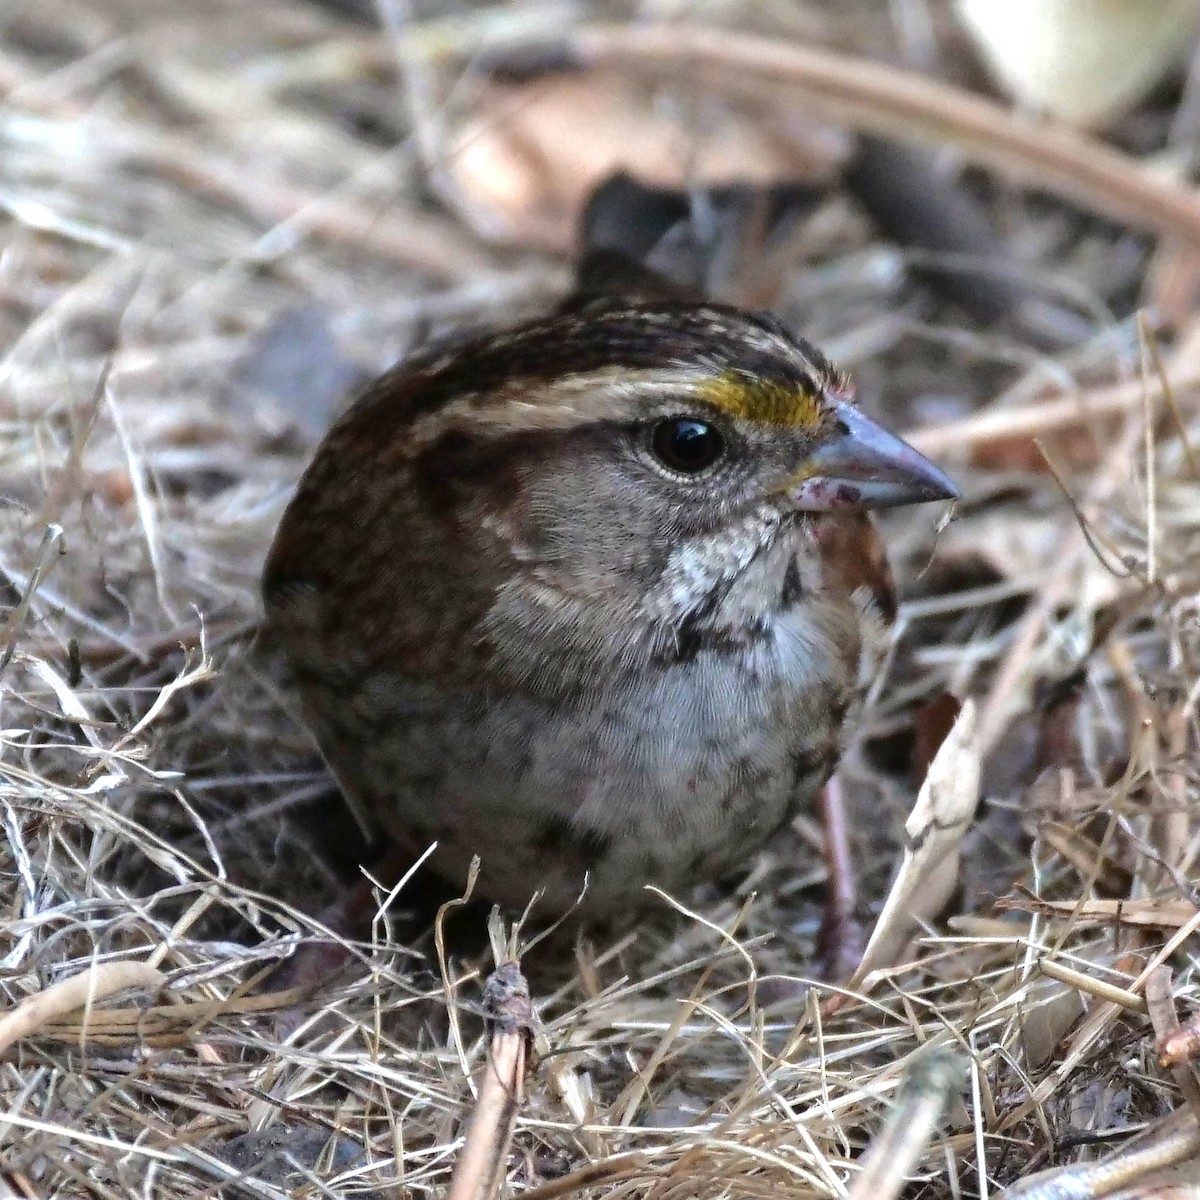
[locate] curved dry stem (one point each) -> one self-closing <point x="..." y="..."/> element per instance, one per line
<point x="872" y="97"/>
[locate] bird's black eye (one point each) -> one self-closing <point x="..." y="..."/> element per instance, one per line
<point x="686" y="445"/>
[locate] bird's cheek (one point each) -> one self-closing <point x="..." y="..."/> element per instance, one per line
<point x="589" y="530"/>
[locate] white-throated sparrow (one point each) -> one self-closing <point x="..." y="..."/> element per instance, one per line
<point x="594" y="597"/>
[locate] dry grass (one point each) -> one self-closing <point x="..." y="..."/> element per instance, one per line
<point x="178" y="188"/>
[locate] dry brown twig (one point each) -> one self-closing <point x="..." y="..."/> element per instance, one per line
<point x="1181" y="1043"/>
<point x="1160" y="1004"/>
<point x="79" y="991"/>
<point x="930" y="1082"/>
<point x="1088" y="406"/>
<point x="479" y="1172"/>
<point x="870" y="96"/>
<point x="1172" y="1141"/>
<point x="1098" y="989"/>
<point x="1165" y="914"/>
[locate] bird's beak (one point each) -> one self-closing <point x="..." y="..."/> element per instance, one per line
<point x="861" y="465"/>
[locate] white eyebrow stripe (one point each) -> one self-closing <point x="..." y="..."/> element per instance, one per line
<point x="608" y="393"/>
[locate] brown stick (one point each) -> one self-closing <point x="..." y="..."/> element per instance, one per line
<point x="872" y="97"/>
<point x="99" y="981"/>
<point x="931" y="1081"/>
<point x="479" y="1171"/>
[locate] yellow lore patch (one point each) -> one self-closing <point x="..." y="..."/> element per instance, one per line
<point x="765" y="401"/>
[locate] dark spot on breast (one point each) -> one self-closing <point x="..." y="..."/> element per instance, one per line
<point x="746" y="778"/>
<point x="559" y="837"/>
<point x="675" y="822"/>
<point x="792" y="589"/>
<point x="692" y="639"/>
<point x="688" y="643"/>
<point x="785" y="819"/>
<point x="653" y="865"/>
<point x="812" y="766"/>
<point x="523" y="765"/>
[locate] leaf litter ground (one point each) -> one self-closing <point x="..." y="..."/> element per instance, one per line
<point x="216" y="223"/>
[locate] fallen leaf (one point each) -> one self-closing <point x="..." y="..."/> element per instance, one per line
<point x="531" y="153"/>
